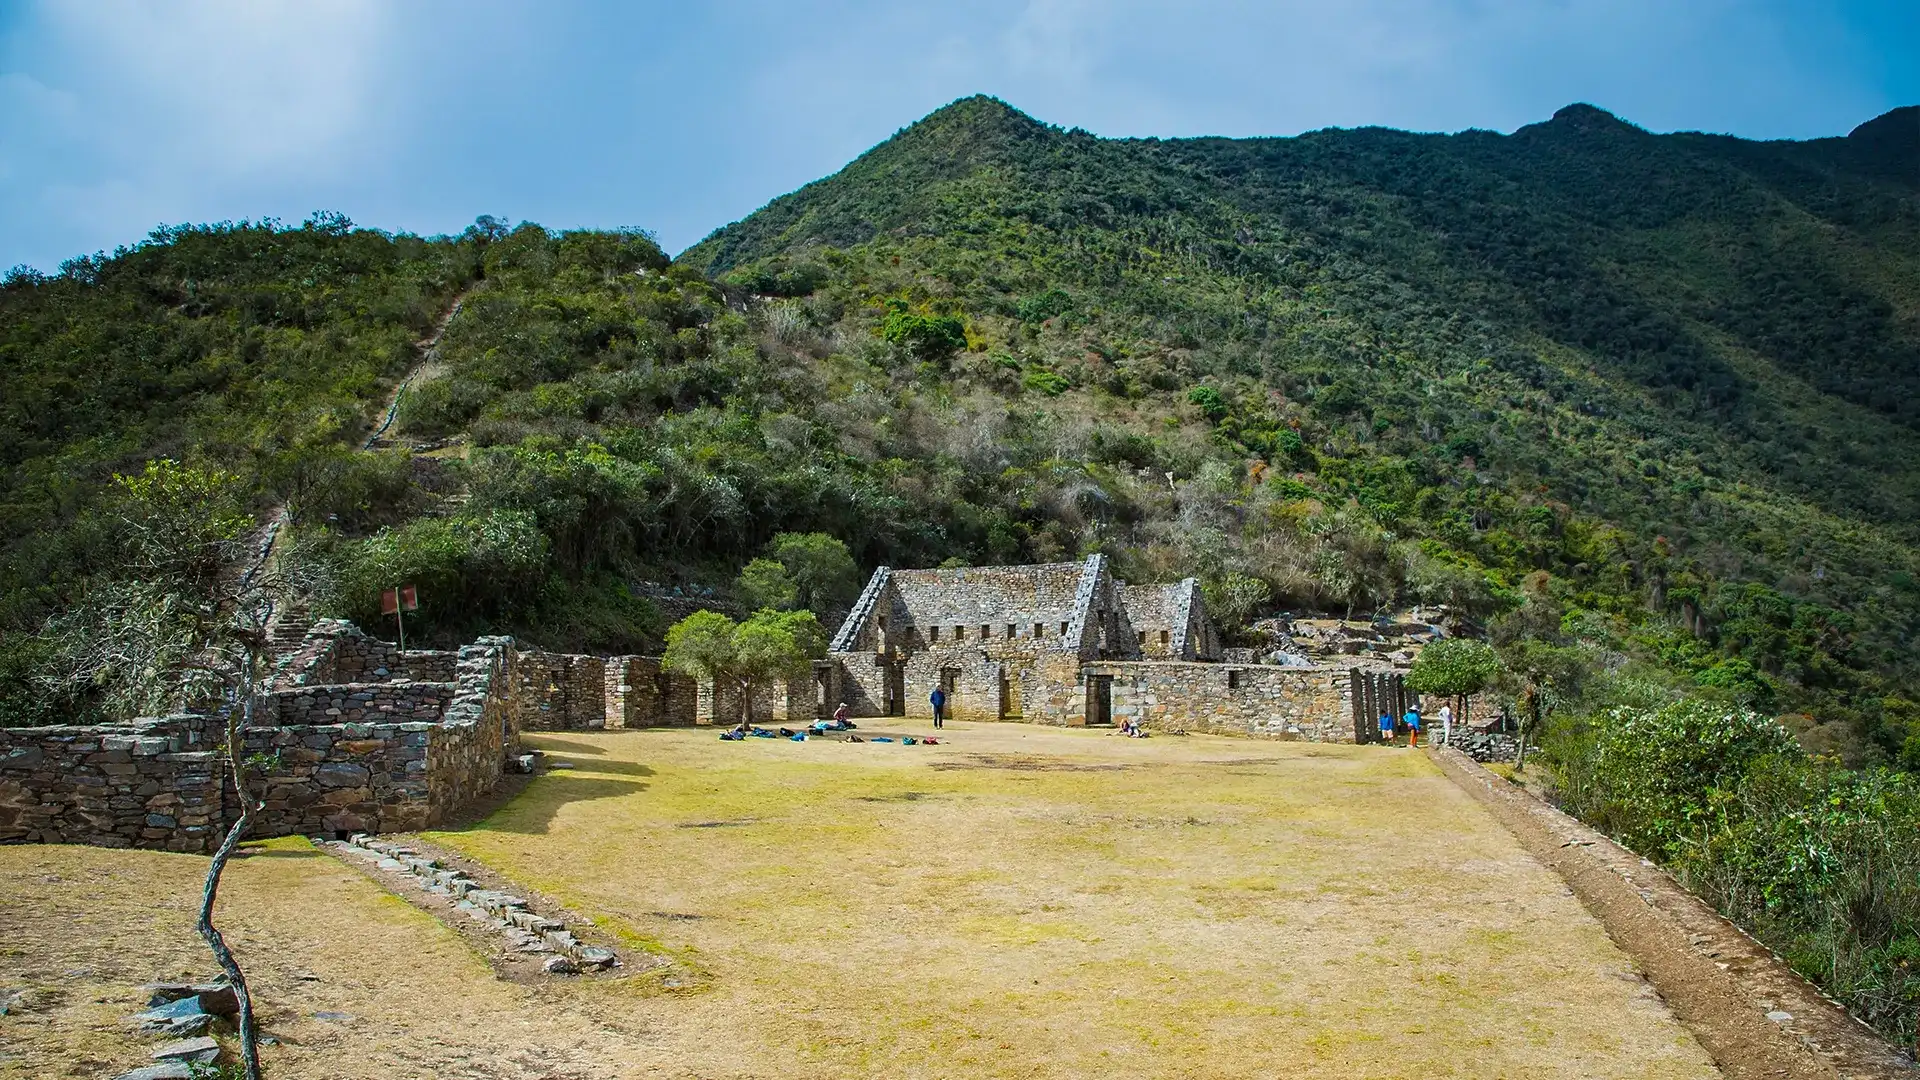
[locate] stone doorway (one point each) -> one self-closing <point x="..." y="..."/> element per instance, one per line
<point x="949" y="683"/>
<point x="1099" y="700"/>
<point x="896" y="691"/>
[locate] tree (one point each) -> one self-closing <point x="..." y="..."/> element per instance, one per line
<point x="770" y="645"/>
<point x="764" y="583"/>
<point x="1541" y="674"/>
<point x="1455" y="668"/>
<point x="186" y="626"/>
<point x="1234" y="597"/>
<point x="820" y="567"/>
<point x="925" y="337"/>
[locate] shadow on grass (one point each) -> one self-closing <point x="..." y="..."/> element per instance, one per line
<point x="531" y="809"/>
<point x="618" y="768"/>
<point x="540" y="740"/>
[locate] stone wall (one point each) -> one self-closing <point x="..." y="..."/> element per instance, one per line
<point x="337" y="651"/>
<point x="481" y="729"/>
<point x="425" y="751"/>
<point x="561" y="691"/>
<point x="640" y="693"/>
<point x="356" y="703"/>
<point x="1284" y="702"/>
<point x="152" y="784"/>
<point x="995" y="596"/>
<point x="338" y="779"/>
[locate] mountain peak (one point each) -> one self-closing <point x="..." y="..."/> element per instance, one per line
<point x="1584" y="117"/>
<point x="1897" y="128"/>
<point x="980" y="114"/>
<point x="1889" y="145"/>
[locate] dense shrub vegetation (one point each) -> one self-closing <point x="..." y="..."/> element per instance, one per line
<point x="1822" y="863"/>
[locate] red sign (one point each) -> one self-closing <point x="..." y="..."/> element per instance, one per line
<point x="409" y="599"/>
<point x="393" y="600"/>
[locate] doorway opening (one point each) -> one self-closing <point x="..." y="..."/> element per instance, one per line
<point x="1099" y="700"/>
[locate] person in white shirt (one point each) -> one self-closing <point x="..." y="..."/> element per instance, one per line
<point x="1446" y="725"/>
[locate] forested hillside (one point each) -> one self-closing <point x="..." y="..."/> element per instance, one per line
<point x="1661" y="389"/>
<point x="1667" y="382"/>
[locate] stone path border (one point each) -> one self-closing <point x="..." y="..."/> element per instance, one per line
<point x="520" y="940"/>
<point x="1752" y="1013"/>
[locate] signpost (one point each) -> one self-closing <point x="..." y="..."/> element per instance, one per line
<point x="393" y="601"/>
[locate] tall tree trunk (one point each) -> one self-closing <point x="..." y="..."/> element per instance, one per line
<point x="236" y="757"/>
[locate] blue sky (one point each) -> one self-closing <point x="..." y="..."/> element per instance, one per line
<point x="679" y="117"/>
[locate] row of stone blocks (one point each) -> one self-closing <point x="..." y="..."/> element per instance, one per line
<point x="526" y="930"/>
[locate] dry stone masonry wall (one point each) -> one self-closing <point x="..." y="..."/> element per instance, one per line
<point x="1290" y="703"/>
<point x="152" y="783"/>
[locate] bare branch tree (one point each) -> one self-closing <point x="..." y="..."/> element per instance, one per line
<point x="185" y="628"/>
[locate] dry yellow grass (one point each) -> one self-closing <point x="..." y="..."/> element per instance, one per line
<point x="1019" y="902"/>
<point x="81" y="928"/>
<point x="1032" y="902"/>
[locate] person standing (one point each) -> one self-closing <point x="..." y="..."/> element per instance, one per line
<point x="1446" y="725"/>
<point x="1412" y="720"/>
<point x="939" y="700"/>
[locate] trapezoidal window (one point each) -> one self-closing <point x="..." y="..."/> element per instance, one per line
<point x="986" y="632"/>
<point x="933" y="634"/>
<point x="959" y="633"/>
<point x="1233" y="680"/>
<point x="1063" y="629"/>
<point x="1163" y="637"/>
<point x="1013" y="631"/>
<point x="1039" y="630"/>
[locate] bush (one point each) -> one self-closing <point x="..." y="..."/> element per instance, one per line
<point x="1211" y="403"/>
<point x="925" y="337"/>
<point x="1455" y="667"/>
<point x="1040" y="380"/>
<point x="1821" y="863"/>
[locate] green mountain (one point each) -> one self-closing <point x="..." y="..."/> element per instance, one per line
<point x="1678" y="373"/>
<point x="1665" y="388"/>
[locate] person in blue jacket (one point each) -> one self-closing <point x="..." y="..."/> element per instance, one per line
<point x="1412" y="720"/>
<point x="939" y="700"/>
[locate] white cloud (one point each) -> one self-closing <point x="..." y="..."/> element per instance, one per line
<point x="231" y="87"/>
<point x="121" y="115"/>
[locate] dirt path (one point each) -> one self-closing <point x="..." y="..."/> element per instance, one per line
<point x="264" y="546"/>
<point x="425" y="367"/>
<point x="1747" y="1007"/>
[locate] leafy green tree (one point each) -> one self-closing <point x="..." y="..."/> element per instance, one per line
<point x="1234" y="598"/>
<point x="1212" y="405"/>
<point x="765" y="583"/>
<point x="1043" y="306"/>
<point x="768" y="646"/>
<point x="1455" y="668"/>
<point x="925" y="337"/>
<point x="1541" y="675"/>
<point x="819" y="566"/>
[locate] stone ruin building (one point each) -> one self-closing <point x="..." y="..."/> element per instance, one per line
<point x="1063" y="643"/>
<point x="367" y="738"/>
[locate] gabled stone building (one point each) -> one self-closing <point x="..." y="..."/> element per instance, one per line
<point x="1009" y="642"/>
